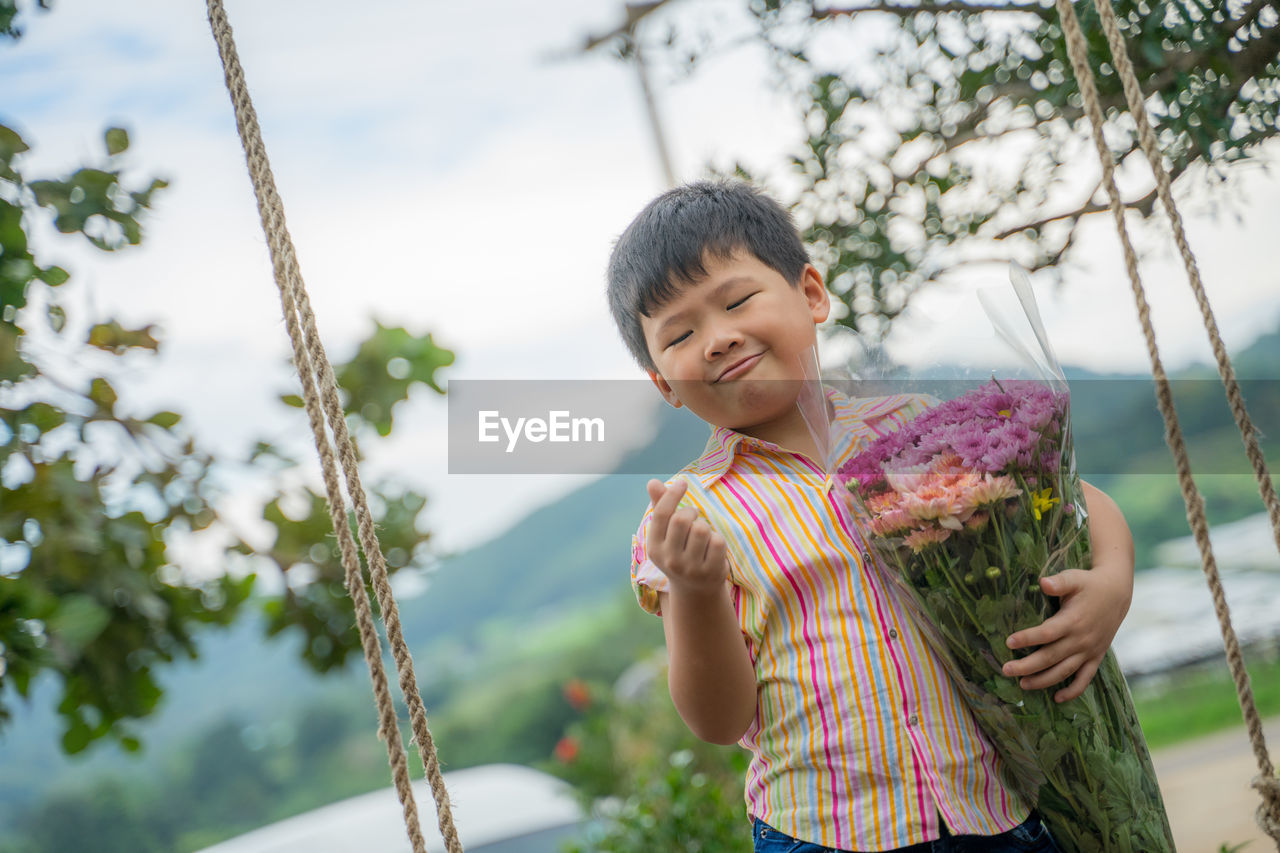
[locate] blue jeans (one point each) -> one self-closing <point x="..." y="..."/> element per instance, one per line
<point x="1030" y="836"/>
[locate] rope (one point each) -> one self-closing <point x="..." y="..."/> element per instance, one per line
<point x="1266" y="783"/>
<point x="314" y="367"/>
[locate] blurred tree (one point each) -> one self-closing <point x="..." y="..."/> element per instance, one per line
<point x="106" y="815"/>
<point x="650" y="782"/>
<point x="90" y="495"/>
<point x="943" y="133"/>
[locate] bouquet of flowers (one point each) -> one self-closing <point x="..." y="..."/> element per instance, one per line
<point x="965" y="507"/>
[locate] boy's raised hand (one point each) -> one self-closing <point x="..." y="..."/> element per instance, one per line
<point x="682" y="544"/>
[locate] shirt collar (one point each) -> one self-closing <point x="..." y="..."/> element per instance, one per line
<point x="725" y="444"/>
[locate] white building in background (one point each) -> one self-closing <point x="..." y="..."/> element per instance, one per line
<point x="1245" y="545"/>
<point x="497" y="808"/>
<point x="1172" y="622"/>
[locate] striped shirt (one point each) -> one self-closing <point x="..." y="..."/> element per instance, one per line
<point x="860" y="737"/>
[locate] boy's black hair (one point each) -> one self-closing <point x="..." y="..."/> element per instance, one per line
<point x="664" y="248"/>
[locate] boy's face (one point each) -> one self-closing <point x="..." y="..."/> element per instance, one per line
<point x="729" y="345"/>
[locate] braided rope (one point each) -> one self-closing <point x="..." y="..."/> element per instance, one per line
<point x="314" y="367"/>
<point x="1266" y="783"/>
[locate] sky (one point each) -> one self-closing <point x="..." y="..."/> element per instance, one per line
<point x="452" y="168"/>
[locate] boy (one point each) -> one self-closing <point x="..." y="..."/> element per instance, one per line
<point x="778" y="637"/>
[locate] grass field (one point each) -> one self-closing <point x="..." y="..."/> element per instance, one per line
<point x="1202" y="700"/>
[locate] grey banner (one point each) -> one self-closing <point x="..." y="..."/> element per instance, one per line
<point x="624" y="426"/>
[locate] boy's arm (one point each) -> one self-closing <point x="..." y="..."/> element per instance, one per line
<point x="710" y="674"/>
<point x="1094" y="603"/>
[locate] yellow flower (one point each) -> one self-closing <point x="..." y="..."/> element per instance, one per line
<point x="1040" y="501"/>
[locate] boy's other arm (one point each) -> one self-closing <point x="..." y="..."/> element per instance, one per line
<point x="710" y="674"/>
<point x="1094" y="603"/>
<point x="712" y="681"/>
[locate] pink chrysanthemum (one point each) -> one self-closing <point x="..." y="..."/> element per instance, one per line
<point x="891" y="522"/>
<point x="918" y="540"/>
<point x="991" y="489"/>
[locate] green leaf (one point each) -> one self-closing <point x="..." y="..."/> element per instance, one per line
<point x="292" y="400"/>
<point x="44" y="416"/>
<point x="113" y="337"/>
<point x="167" y="420"/>
<point x="101" y="392"/>
<point x="78" y="621"/>
<point x="76" y="738"/>
<point x="384" y="370"/>
<point x="10" y="144"/>
<point x="1007" y="690"/>
<point x="117" y="139"/>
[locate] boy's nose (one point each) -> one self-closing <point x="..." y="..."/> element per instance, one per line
<point x="721" y="339"/>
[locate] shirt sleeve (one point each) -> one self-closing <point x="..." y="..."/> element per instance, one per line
<point x="888" y="414"/>
<point x="647" y="580"/>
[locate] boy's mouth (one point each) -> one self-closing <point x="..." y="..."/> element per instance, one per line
<point x="739" y="367"/>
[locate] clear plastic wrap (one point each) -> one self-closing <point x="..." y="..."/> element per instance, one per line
<point x="964" y="508"/>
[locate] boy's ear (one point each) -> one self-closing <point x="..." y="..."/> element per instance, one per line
<point x="815" y="293"/>
<point x="664" y="389"/>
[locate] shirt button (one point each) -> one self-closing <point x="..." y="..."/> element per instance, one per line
<point x="913" y="720"/>
<point x="893" y="633"/>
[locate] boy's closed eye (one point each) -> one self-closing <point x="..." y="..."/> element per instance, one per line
<point x="727" y="308"/>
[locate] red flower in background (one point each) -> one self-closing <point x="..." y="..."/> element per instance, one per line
<point x="566" y="749"/>
<point x="577" y="694"/>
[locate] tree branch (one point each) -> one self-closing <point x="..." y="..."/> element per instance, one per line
<point x="1144" y="205"/>
<point x="1231" y="28"/>
<point x="1257" y="54"/>
<point x="935" y="8"/>
<point x="636" y="12"/>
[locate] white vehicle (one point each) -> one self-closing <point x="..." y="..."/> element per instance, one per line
<point x="497" y="808"/>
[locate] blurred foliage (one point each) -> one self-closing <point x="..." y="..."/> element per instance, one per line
<point x="599" y="720"/>
<point x="509" y="703"/>
<point x="9" y="13"/>
<point x="941" y="134"/>
<point x="92" y="491"/>
<point x="384" y="369"/>
<point x="651" y="784"/>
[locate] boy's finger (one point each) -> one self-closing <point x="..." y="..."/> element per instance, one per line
<point x="695" y="547"/>
<point x="1079" y="683"/>
<point x="1053" y="675"/>
<point x="682" y="523"/>
<point x="717" y="550"/>
<point x="1050" y="630"/>
<point x="1064" y="583"/>
<point x="664" y="506"/>
<point x="1037" y="661"/>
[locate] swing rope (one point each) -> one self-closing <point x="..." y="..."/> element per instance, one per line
<point x="1266" y="783"/>
<point x="315" y="369"/>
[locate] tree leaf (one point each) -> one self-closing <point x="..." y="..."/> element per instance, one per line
<point x="101" y="392"/>
<point x="77" y="622"/>
<point x="117" y="139"/>
<point x="167" y="420"/>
